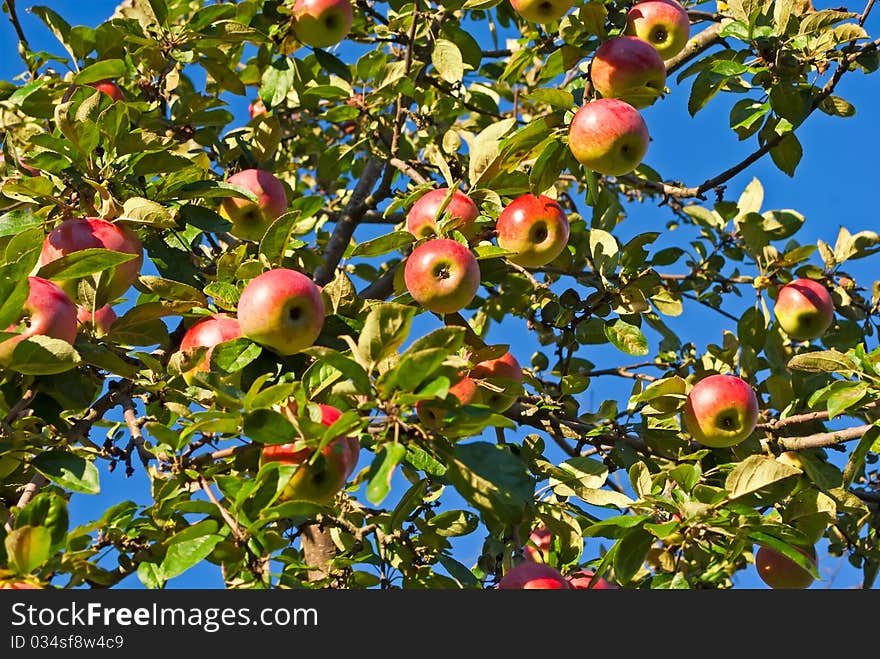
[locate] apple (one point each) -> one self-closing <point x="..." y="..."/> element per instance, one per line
<point x="322" y="23"/>
<point x="628" y="68"/>
<point x="538" y="547"/>
<point x="47" y="311"/>
<point x="529" y="575"/>
<point x="541" y="11"/>
<point x="720" y="410"/>
<point x="110" y="88"/>
<point x="535" y="228"/>
<point x="432" y="412"/>
<point x="208" y="332"/>
<point x="503" y="372"/>
<point x="421" y="220"/>
<point x="282" y="310"/>
<point x="256" y="108"/>
<point x="804" y="309"/>
<point x="98" y="322"/>
<point x="583" y="580"/>
<point x="780" y="572"/>
<point x="317" y="481"/>
<point x="251" y="219"/>
<point x="81" y="233"/>
<point x="609" y="136"/>
<point x="442" y="275"/>
<point x="19" y="585"/>
<point x="662" y="23"/>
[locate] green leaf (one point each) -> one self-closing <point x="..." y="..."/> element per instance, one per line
<point x="27" y="548"/>
<point x="234" y="355"/>
<point x="277" y="81"/>
<point x="632" y="550"/>
<point x="83" y="263"/>
<point x="146" y="211"/>
<point x="823" y="361"/>
<point x="857" y="458"/>
<point x="626" y="338"/>
<point x="68" y="470"/>
<point x="108" y="69"/>
<point x="14" y="222"/>
<point x="385" y="329"/>
<point x="384" y="244"/>
<point x="43" y="355"/>
<point x="453" y="523"/>
<point x="184" y="554"/>
<point x="169" y="289"/>
<point x="382" y="470"/>
<point x="845" y="396"/>
<point x="755" y="473"/>
<point x="578" y="471"/>
<point x="345" y="365"/>
<point x="547" y="168"/>
<point x="447" y="59"/>
<point x="266" y="426"/>
<point x="787" y="154"/>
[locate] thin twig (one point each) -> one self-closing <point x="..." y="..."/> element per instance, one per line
<point x="229" y="519"/>
<point x="27" y="494"/>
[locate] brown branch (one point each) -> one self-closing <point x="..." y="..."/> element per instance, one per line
<point x="697" y="44"/>
<point x="80" y="429"/>
<point x="864" y="16"/>
<point x="27" y="494"/>
<point x="24" y="47"/>
<point x="227" y="517"/>
<point x="382" y="287"/>
<point x="407" y="169"/>
<point x="345" y="226"/>
<point x="807" y="417"/>
<point x="19" y="409"/>
<point x="134" y="428"/>
<point x="824" y="439"/>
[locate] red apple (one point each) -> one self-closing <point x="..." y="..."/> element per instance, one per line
<point x="538" y="547"/>
<point x="322" y="23"/>
<point x="534" y="228"/>
<point x="98" y="322"/>
<point x="583" y="580"/>
<point x="421" y="220"/>
<point x="804" y="309"/>
<point x="662" y="23"/>
<point x="541" y="11"/>
<point x="251" y="219"/>
<point x="630" y="69"/>
<point x="19" y="585"/>
<point x="780" y="572"/>
<point x="720" y="410"/>
<point x="503" y="372"/>
<point x="81" y="233"/>
<point x="208" y="332"/>
<point x="529" y="575"/>
<point x="48" y="311"/>
<point x="110" y="88"/>
<point x="442" y="275"/>
<point x="609" y="136"/>
<point x="282" y="310"/>
<point x="256" y="108"/>
<point x="317" y="481"/>
<point x="432" y="412"/>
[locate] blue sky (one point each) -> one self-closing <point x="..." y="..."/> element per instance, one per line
<point x="834" y="186"/>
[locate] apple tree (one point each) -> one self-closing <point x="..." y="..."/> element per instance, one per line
<point x="375" y="315"/>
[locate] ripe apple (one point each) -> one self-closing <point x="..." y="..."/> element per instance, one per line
<point x="583" y="580"/>
<point x="538" y="547"/>
<point x="281" y="309"/>
<point x="318" y="481"/>
<point x="535" y="228"/>
<point x="529" y="575"/>
<point x="421" y="220"/>
<point x="503" y="372"/>
<point x="609" y="136"/>
<point x="442" y="275"/>
<point x="780" y="572"/>
<point x="721" y="410"/>
<point x="208" y="332"/>
<point x="81" y="233"/>
<point x="256" y="108"/>
<point x="110" y="88"/>
<point x="804" y="309"/>
<point x="662" y="23"/>
<point x="541" y="11"/>
<point x="322" y="23"/>
<point x="628" y="68"/>
<point x="432" y="412"/>
<point x="19" y="585"/>
<point x="47" y="311"/>
<point x="98" y="322"/>
<point x="251" y="219"/>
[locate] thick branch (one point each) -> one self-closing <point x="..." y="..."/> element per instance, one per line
<point x="697" y="44"/>
<point x="27" y="494"/>
<point x="824" y="439"/>
<point x="807" y="417"/>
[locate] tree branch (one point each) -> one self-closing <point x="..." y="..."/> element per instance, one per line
<point x="228" y="518"/>
<point x="27" y="494"/>
<point x="824" y="439"/>
<point x="807" y="417"/>
<point x="697" y="44"/>
<point x="23" y="46"/>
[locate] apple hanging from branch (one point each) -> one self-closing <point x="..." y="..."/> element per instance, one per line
<point x="609" y="136"/>
<point x="421" y="220"/>
<point x="535" y="228"/>
<point x="628" y="68"/>
<point x="442" y="275"/>
<point x="804" y="309"/>
<point x="721" y="410"/>
<point x="47" y="311"/>
<point x="251" y="219"/>
<point x="322" y="23"/>
<point x="662" y="23"/>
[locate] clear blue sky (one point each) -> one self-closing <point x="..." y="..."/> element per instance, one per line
<point x="834" y="185"/>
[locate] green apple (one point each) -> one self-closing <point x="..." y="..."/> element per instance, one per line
<point x="322" y="23"/>
<point x="541" y="11"/>
<point x="630" y="69"/>
<point x="721" y="410"/>
<point x="780" y="572"/>
<point x="662" y="23"/>
<point x="804" y="309"/>
<point x="281" y="309"/>
<point x="535" y="228"/>
<point x="251" y="219"/>
<point x="608" y="136"/>
<point x="442" y="275"/>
